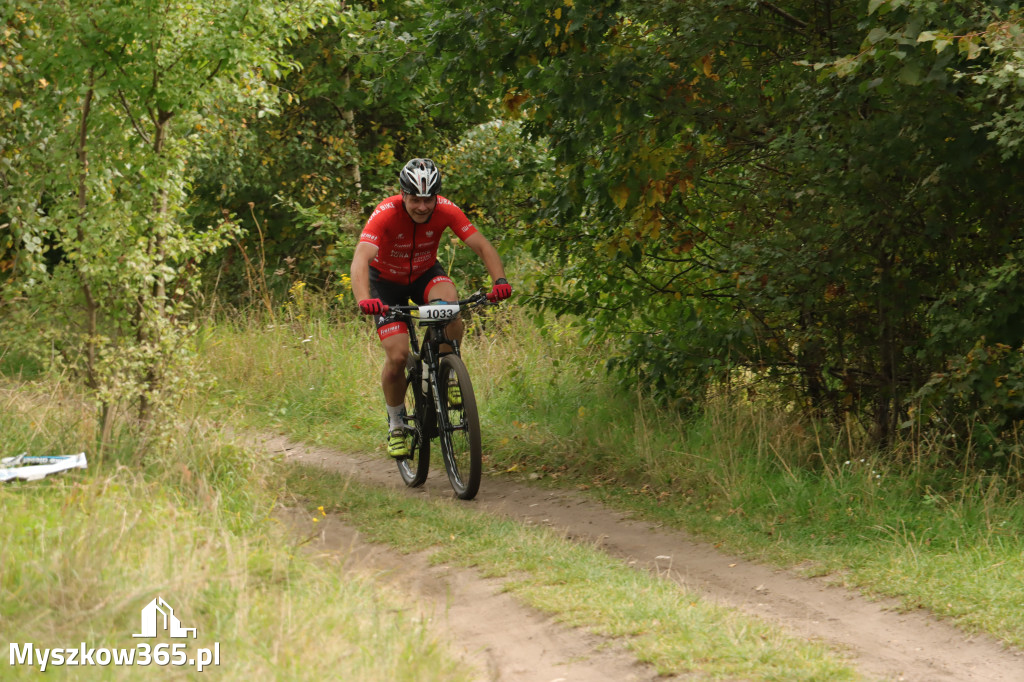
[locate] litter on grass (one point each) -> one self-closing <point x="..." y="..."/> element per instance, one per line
<point x="32" y="468"/>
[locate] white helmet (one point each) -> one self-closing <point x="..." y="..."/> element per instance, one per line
<point x="421" y="178"/>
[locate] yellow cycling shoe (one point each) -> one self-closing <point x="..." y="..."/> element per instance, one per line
<point x="400" y="443"/>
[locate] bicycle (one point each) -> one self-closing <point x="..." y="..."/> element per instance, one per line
<point x="431" y="407"/>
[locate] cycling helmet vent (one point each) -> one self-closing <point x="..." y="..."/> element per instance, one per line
<point x="421" y="178"/>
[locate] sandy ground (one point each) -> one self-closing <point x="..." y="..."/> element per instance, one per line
<point x="509" y="642"/>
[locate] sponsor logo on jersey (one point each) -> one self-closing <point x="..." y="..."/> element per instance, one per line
<point x="381" y="207"/>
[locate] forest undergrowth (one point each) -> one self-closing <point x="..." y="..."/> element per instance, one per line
<point x="752" y="474"/>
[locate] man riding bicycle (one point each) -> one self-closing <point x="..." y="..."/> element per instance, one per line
<point x="396" y="260"/>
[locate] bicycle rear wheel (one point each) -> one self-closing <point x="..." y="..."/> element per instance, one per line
<point x="413" y="469"/>
<point x="459" y="425"/>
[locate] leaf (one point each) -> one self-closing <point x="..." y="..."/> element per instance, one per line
<point x="706" y="65"/>
<point x="973" y="48"/>
<point x="877" y="34"/>
<point x="513" y="101"/>
<point x="654" y="196"/>
<point x="910" y="74"/>
<point x="620" y="195"/>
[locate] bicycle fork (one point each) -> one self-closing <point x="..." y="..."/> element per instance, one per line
<point x="444" y="425"/>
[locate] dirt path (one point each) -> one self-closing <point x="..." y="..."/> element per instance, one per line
<point x="488" y="628"/>
<point x="516" y="644"/>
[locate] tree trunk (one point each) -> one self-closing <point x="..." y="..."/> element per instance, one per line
<point x="350" y="122"/>
<point x="91" y="307"/>
<point x="83" y="204"/>
<point x="152" y="315"/>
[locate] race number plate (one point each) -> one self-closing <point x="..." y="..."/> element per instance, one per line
<point x="430" y="313"/>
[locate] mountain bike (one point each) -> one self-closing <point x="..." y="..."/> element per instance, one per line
<point x="440" y="402"/>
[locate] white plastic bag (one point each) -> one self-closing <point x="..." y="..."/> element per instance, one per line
<point x="32" y="468"/>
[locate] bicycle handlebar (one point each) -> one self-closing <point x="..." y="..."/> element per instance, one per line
<point x="479" y="298"/>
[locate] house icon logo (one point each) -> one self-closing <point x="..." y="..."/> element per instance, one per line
<point x="151" y="621"/>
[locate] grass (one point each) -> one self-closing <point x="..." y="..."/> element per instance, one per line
<point x="306" y="377"/>
<point x="83" y="552"/>
<point x="662" y="624"/>
<point x="191" y="519"/>
<point x="930" y="538"/>
<point x="749" y="475"/>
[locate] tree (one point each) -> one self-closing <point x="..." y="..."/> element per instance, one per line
<point x="117" y="102"/>
<point x="365" y="101"/>
<point x="746" y="189"/>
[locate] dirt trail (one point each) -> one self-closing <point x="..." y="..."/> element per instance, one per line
<point x="488" y="628"/>
<point x="515" y="643"/>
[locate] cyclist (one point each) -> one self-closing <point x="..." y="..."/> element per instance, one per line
<point x="396" y="260"/>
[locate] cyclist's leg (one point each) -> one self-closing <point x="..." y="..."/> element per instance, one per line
<point x="396" y="351"/>
<point x="392" y="379"/>
<point x="394" y="339"/>
<point x="441" y="287"/>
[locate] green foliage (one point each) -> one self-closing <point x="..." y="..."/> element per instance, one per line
<point x="737" y="192"/>
<point x="497" y="178"/>
<point x="117" y="103"/>
<point x="364" y="101"/>
<point x="977" y="331"/>
<point x="775" y="191"/>
<point x="979" y="44"/>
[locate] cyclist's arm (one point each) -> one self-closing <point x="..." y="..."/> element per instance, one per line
<point x="360" y="272"/>
<point x="487" y="253"/>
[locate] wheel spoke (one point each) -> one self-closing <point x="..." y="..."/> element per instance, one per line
<point x="414" y="469"/>
<point x="460" y="437"/>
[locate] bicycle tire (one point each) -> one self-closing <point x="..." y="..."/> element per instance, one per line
<point x="414" y="468"/>
<point x="459" y="428"/>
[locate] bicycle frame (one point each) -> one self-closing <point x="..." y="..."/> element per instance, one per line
<point x="424" y="366"/>
<point x="428" y="352"/>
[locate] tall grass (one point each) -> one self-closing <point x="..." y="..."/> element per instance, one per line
<point x="305" y="368"/>
<point x="83" y="552"/>
<point x="750" y="474"/>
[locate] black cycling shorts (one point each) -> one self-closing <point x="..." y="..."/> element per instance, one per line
<point x="393" y="293"/>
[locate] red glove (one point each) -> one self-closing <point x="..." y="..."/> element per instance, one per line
<point x="502" y="290"/>
<point x="372" y="306"/>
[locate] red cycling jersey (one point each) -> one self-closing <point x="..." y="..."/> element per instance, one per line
<point x="405" y="249"/>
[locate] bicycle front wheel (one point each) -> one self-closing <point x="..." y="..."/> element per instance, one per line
<point x="414" y="468"/>
<point x="460" y="427"/>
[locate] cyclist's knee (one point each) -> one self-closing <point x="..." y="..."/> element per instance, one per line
<point x="396" y="353"/>
<point x="455" y="330"/>
<point x="442" y="291"/>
